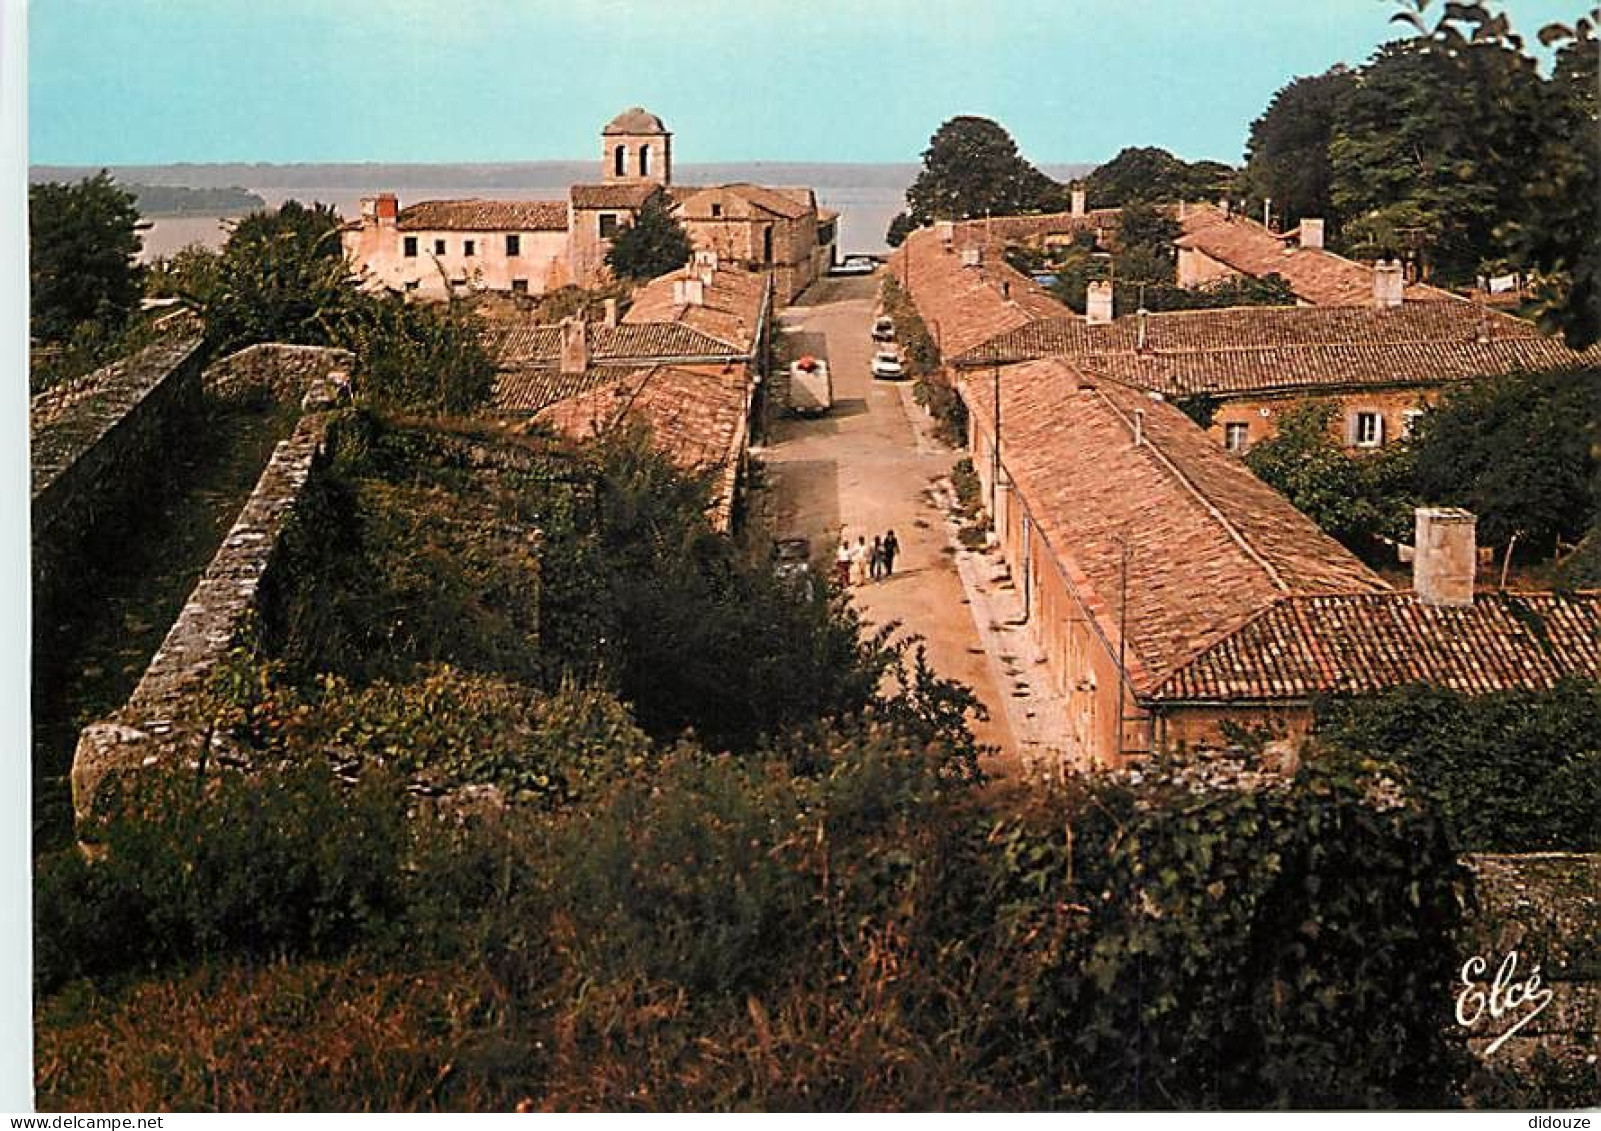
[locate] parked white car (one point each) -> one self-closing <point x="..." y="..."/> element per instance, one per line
<point x="887" y="365"/>
<point x="855" y="265"/>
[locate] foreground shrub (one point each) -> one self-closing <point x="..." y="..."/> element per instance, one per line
<point x="281" y="863"/>
<point x="1517" y="771"/>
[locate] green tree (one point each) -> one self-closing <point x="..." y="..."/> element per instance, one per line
<point x="1156" y="176"/>
<point x="654" y="244"/>
<point x="899" y="228"/>
<point x="282" y="278"/>
<point x="1520" y="452"/>
<point x="1287" y="155"/>
<point x="1351" y="498"/>
<point x="972" y="168"/>
<point x="1518" y="771"/>
<point x="82" y="248"/>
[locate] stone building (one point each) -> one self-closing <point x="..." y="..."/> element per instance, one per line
<point x="436" y="248"/>
<point x="1193" y="594"/>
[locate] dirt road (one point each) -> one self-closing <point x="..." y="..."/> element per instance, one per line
<point x="865" y="468"/>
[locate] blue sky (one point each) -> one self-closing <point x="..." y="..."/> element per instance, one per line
<point x="154" y="81"/>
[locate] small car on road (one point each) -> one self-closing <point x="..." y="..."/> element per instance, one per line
<point x="855" y="265"/>
<point x="887" y="366"/>
<point x="884" y="329"/>
<point x="811" y="388"/>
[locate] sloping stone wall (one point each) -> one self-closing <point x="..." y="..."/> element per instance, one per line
<point x="1545" y="907"/>
<point x="151" y="728"/>
<point x="275" y="372"/>
<point x="94" y="452"/>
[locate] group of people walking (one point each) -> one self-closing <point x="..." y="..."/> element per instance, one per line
<point x="858" y="564"/>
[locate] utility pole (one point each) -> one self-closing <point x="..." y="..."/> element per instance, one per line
<point x="995" y="455"/>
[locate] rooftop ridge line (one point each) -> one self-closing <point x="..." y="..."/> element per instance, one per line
<point x="1189" y="485"/>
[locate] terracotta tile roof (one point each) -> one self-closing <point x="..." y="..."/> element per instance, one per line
<point x="1245" y="350"/>
<point x="1326" y="368"/>
<point x="1304" y="646"/>
<point x="1210" y="545"/>
<point x="1021" y="229"/>
<point x="734" y="307"/>
<point x="528" y="389"/>
<point x="697" y="415"/>
<point x="1314" y="274"/>
<point x="965" y="306"/>
<point x="620" y="194"/>
<point x="627" y="342"/>
<point x="484" y="216"/>
<point x="792" y="204"/>
<point x="635" y="120"/>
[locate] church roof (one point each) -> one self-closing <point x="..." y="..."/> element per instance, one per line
<point x="635" y="120"/>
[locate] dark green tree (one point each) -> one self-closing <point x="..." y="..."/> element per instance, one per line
<point x="654" y="244"/>
<point x="899" y="228"/>
<point x="1156" y="176"/>
<point x="1287" y="156"/>
<point x="1520" y="452"/>
<point x="1351" y="498"/>
<point x="82" y="244"/>
<point x="282" y="278"/>
<point x="972" y="168"/>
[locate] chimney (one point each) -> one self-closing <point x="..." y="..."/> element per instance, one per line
<point x="1080" y="200"/>
<point x="1445" y="556"/>
<point x="1139" y="427"/>
<point x="387" y="207"/>
<point x="609" y="307"/>
<point x="1389" y="283"/>
<point x="707" y="258"/>
<point x="1312" y="233"/>
<point x="1140" y="347"/>
<point x="1182" y="207"/>
<point x="1098" y="303"/>
<point x="972" y="256"/>
<point x="574" y="345"/>
<point x="689" y="292"/>
<point x="944" y="231"/>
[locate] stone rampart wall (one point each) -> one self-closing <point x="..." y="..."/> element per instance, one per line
<point x="275" y="372"/>
<point x="157" y="725"/>
<point x="94" y="451"/>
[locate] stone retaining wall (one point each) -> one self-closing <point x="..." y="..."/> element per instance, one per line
<point x="1546" y="907"/>
<point x="274" y="371"/>
<point x="151" y="729"/>
<point x="93" y="453"/>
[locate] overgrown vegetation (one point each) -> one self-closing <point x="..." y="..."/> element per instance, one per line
<point x="1451" y="147"/>
<point x="654" y="244"/>
<point x="1519" y="451"/>
<point x="1517" y="771"/>
<point x="755" y="932"/>
<point x="920" y="354"/>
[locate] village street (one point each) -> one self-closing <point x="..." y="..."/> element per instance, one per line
<point x="868" y="467"/>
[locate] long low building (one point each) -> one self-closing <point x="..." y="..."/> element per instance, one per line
<point x="1171" y="591"/>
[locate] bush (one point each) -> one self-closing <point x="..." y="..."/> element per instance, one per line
<point x="1518" y="771"/>
<point x="281" y="863"/>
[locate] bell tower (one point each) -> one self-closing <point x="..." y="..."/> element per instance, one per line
<point x="636" y="148"/>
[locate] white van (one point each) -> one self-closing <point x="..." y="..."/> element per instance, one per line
<point x="811" y="387"/>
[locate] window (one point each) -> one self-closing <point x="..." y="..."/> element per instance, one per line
<point x="767" y="245"/>
<point x="408" y="247"/>
<point x="644" y="160"/>
<point x="619" y="161"/>
<point x="439" y="247"/>
<point x="412" y="284"/>
<point x="519" y="286"/>
<point x="469" y="247"/>
<point x="514" y="245"/>
<point x="608" y="225"/>
<point x="1234" y="436"/>
<point x="717" y="212"/>
<point x="1409" y="421"/>
<point x="1367" y="430"/>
